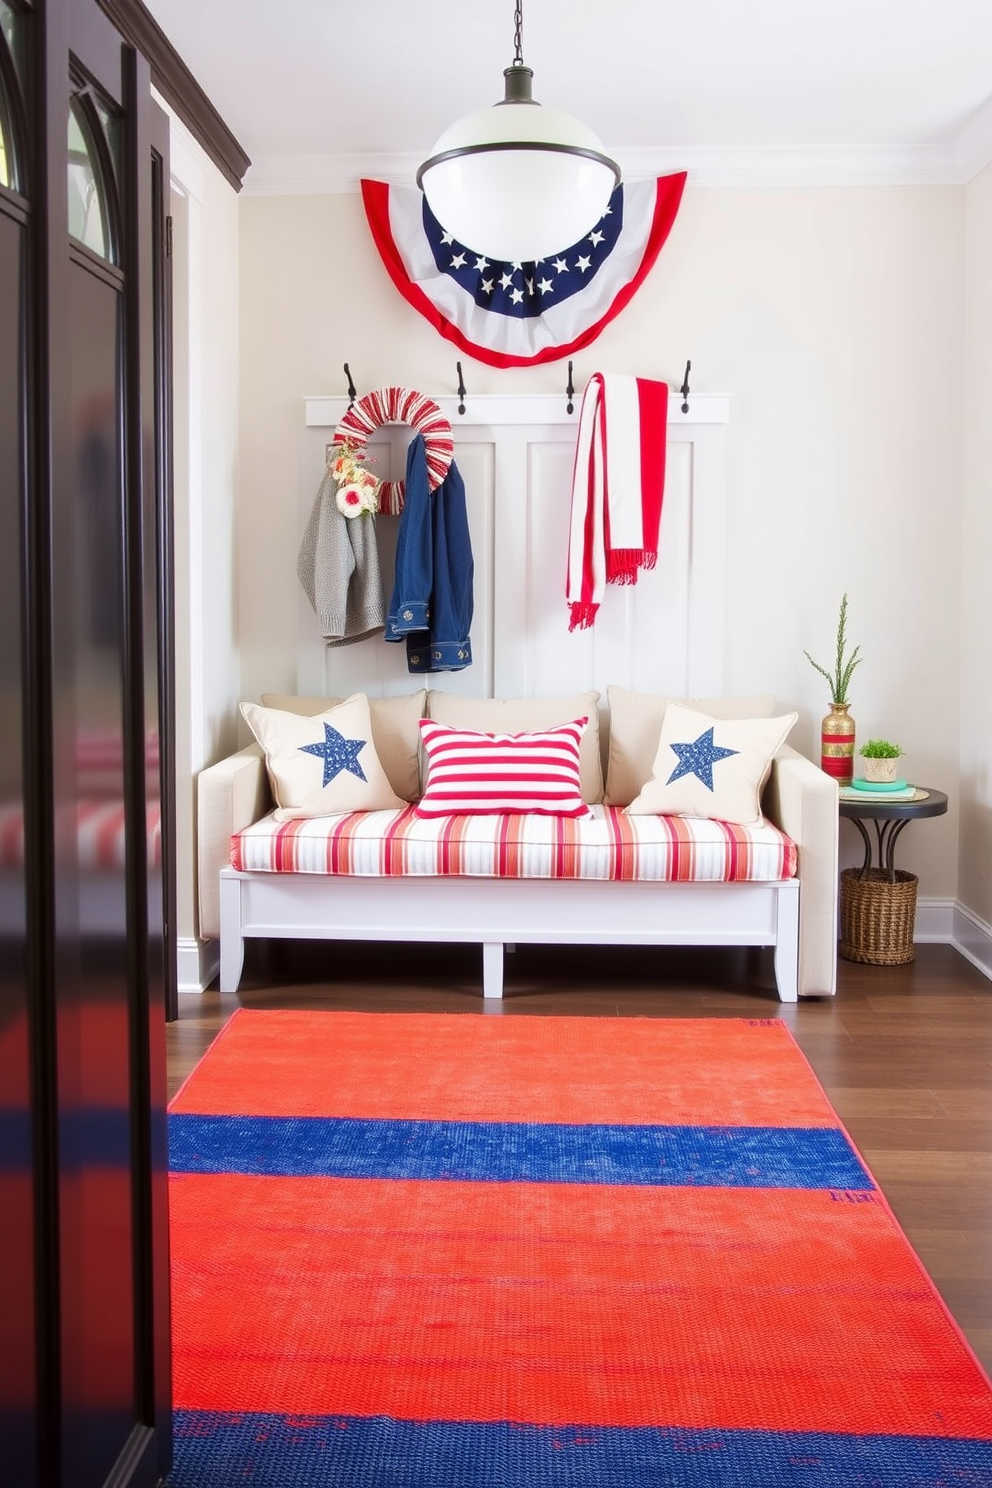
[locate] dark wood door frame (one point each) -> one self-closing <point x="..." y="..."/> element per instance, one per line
<point x="50" y="1420"/>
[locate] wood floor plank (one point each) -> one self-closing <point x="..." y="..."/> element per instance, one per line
<point x="935" y="1167"/>
<point x="952" y="1254"/>
<point x="919" y="1138"/>
<point x="906" y="1105"/>
<point x="933" y="1206"/>
<point x="973" y="1102"/>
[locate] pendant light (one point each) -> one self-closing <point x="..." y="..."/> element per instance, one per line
<point x="518" y="182"/>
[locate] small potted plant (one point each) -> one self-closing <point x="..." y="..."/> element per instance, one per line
<point x="880" y="757"/>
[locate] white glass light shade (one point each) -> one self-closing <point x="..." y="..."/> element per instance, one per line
<point x="527" y="201"/>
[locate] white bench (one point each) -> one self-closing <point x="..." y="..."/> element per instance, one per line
<point x="796" y="916"/>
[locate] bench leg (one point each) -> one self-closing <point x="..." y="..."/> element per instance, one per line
<point x="492" y="968"/>
<point x="232" y="945"/>
<point x="787" y="946"/>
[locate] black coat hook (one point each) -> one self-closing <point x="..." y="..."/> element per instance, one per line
<point x="570" y="392"/>
<point x="461" y="388"/>
<point x="684" y="389"/>
<point x="352" y="391"/>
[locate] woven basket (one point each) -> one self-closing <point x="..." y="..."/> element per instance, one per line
<point x="877" y="916"/>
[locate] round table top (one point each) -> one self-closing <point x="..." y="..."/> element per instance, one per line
<point x="934" y="805"/>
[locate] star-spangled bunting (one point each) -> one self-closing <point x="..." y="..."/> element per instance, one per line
<point x="519" y="314"/>
<point x="338" y="753"/>
<point x="525" y="290"/>
<point x="698" y="758"/>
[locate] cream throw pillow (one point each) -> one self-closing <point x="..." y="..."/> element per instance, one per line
<point x="635" y="728"/>
<point x="322" y="765"/>
<point x="395" y="731"/>
<point x="524" y="716"/>
<point x="711" y="767"/>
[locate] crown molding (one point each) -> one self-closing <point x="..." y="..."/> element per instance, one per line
<point x="796" y="166"/>
<point x="178" y="86"/>
<point x="971" y="148"/>
<point x="953" y="164"/>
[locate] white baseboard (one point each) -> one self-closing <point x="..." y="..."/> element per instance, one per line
<point x="973" y="938"/>
<point x="197" y="962"/>
<point x="948" y="922"/>
<point x="934" y="921"/>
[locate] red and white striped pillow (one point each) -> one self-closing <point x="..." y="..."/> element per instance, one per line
<point x="471" y="773"/>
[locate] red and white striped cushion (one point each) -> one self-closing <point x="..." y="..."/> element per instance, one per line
<point x="608" y="844"/>
<point x="471" y="773"/>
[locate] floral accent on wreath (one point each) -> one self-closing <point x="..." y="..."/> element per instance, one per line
<point x="358" y="488"/>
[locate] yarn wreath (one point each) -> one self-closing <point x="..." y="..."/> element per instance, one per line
<point x="399" y="405"/>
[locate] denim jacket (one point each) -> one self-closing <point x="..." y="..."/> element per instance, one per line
<point x="432" y="602"/>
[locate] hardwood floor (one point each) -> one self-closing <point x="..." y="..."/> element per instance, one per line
<point x="904" y="1053"/>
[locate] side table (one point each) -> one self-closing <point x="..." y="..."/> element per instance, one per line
<point x="877" y="900"/>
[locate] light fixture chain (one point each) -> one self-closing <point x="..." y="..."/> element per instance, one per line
<point x="518" y="35"/>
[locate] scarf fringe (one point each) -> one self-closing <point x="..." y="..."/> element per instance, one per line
<point x="618" y="480"/>
<point x="624" y="564"/>
<point x="583" y="613"/>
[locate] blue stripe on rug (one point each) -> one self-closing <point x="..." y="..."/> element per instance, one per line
<point x="516" y="1152"/>
<point x="270" y="1451"/>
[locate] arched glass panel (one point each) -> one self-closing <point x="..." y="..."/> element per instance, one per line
<point x="111" y="131"/>
<point x="88" y="213"/>
<point x="9" y="40"/>
<point x="6" y="161"/>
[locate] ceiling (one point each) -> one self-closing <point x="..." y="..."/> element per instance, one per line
<point x="319" y="92"/>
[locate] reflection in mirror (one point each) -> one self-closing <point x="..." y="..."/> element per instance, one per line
<point x="17" y="1131"/>
<point x="87" y="195"/>
<point x="9" y="27"/>
<point x="95" y="840"/>
<point x="12" y="32"/>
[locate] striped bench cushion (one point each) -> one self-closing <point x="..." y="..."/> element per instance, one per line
<point x="607" y="844"/>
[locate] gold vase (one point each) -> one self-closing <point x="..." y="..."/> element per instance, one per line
<point x="837" y="744"/>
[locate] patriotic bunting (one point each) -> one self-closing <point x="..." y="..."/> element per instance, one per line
<point x="522" y="314"/>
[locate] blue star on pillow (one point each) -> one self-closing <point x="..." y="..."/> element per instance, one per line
<point x="338" y="753"/>
<point x="698" y="758"/>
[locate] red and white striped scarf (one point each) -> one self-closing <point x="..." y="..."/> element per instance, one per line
<point x="617" y="486"/>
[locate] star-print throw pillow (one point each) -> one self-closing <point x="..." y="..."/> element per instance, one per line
<point x="324" y="765"/>
<point x="711" y="767"/>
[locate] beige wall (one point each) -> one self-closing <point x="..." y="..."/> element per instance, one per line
<point x="834" y="320"/>
<point x="975" y="869"/>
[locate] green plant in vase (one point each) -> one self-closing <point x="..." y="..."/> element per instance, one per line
<point x="837" y="729"/>
<point x="881" y="757"/>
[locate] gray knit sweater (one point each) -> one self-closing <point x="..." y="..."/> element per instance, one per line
<point x="338" y="567"/>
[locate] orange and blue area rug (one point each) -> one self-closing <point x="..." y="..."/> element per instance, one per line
<point x="456" y="1251"/>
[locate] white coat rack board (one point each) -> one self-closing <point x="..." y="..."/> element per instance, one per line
<point x="663" y="634"/>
